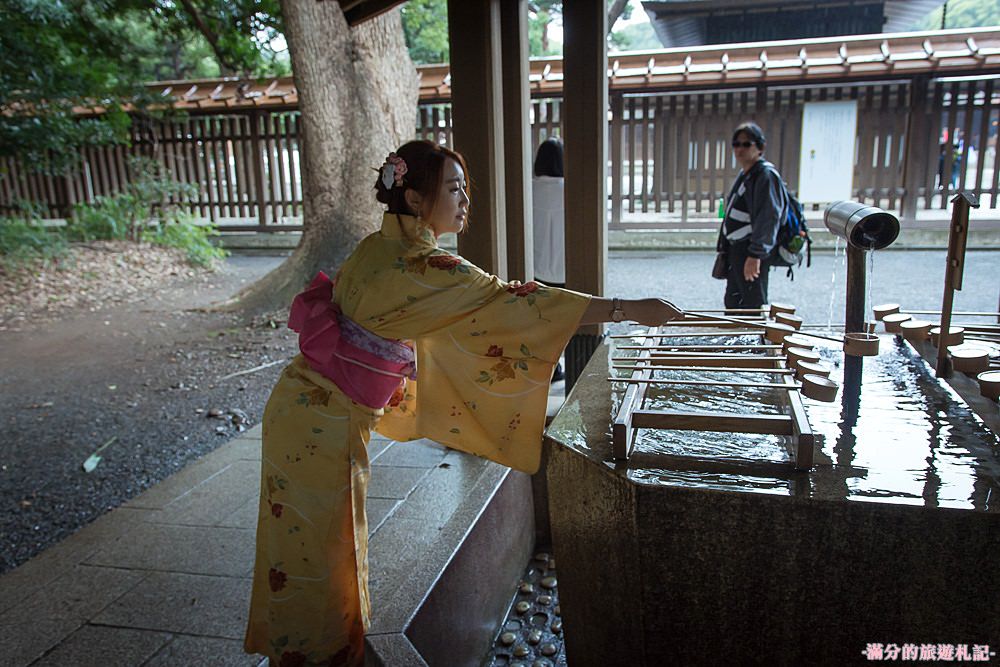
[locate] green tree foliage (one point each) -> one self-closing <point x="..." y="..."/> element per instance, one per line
<point x="240" y="33"/>
<point x="541" y="15"/>
<point x="60" y="56"/>
<point x="425" y="25"/>
<point x="635" y="37"/>
<point x="56" y="55"/>
<point x="963" y="14"/>
<point x="168" y="57"/>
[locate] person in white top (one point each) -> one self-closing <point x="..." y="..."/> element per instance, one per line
<point x="548" y="219"/>
<point x="548" y="214"/>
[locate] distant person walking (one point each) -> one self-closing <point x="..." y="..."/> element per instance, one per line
<point x="754" y="209"/>
<point x="548" y="214"/>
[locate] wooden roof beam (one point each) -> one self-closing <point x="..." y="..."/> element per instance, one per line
<point x="359" y="11"/>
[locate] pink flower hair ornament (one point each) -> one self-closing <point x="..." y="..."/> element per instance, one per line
<point x="393" y="171"/>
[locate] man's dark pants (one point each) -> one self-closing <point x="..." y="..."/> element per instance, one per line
<point x="739" y="292"/>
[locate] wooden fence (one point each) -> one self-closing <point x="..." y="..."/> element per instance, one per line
<point x="245" y="167"/>
<point x="669" y="155"/>
<point x="671" y="152"/>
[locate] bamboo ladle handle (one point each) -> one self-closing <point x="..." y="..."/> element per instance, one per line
<point x="755" y="325"/>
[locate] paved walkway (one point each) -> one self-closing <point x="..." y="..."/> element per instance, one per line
<point x="164" y="580"/>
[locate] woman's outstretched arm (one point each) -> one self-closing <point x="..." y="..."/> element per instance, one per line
<point x="650" y="312"/>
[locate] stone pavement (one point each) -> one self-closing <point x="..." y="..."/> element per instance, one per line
<point x="164" y="580"/>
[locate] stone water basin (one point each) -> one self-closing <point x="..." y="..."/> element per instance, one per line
<point x="704" y="549"/>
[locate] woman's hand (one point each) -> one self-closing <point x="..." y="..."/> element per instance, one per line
<point x="650" y="312"/>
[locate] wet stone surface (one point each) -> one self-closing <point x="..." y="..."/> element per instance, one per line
<point x="531" y="634"/>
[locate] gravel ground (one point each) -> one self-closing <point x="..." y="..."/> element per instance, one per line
<point x="140" y="372"/>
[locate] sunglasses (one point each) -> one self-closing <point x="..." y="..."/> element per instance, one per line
<point x="742" y="144"/>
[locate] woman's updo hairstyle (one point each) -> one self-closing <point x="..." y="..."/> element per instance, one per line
<point x="425" y="162"/>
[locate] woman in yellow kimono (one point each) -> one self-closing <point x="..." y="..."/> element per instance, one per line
<point x="485" y="351"/>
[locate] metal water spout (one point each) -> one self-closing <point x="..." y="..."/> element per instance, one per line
<point x="864" y="228"/>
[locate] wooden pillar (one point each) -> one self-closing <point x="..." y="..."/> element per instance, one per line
<point x="258" y="166"/>
<point x="474" y="35"/>
<point x="617" y="117"/>
<point x="914" y="149"/>
<point x="517" y="143"/>
<point x="585" y="133"/>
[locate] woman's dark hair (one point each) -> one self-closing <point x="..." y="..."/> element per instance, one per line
<point x="425" y="162"/>
<point x="753" y="132"/>
<point x="549" y="158"/>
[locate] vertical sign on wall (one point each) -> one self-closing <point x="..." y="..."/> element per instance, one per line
<point x="826" y="163"/>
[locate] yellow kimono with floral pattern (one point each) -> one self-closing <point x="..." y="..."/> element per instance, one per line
<point x="485" y="355"/>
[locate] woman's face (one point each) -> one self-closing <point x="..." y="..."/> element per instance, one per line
<point x="452" y="205"/>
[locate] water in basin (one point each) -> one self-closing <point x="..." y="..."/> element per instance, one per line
<point x="914" y="441"/>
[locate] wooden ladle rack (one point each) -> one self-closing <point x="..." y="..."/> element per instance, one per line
<point x="652" y="356"/>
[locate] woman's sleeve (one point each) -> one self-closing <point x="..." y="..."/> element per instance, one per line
<point x="485" y="356"/>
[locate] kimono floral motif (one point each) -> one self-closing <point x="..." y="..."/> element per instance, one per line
<point x="527" y="288"/>
<point x="441" y="261"/>
<point x="506" y="368"/>
<point x="444" y="262"/>
<point x="277" y="579"/>
<point x="273" y="484"/>
<point x="512" y="426"/>
<point x="397" y="396"/>
<point x="411" y="264"/>
<point x="529" y="293"/>
<point x="315" y="396"/>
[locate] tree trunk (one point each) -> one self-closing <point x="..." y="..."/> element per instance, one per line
<point x="615" y="11"/>
<point x="358" y="99"/>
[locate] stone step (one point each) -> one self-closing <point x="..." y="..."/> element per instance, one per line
<point x="444" y="561"/>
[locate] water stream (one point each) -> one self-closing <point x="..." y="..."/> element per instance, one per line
<point x="841" y="267"/>
<point x="870" y="252"/>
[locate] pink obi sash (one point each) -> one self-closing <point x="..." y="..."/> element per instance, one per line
<point x="366" y="367"/>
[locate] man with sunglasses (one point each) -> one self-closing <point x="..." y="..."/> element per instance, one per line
<point x="756" y="205"/>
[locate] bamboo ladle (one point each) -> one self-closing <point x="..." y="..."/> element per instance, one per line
<point x="816" y="387"/>
<point x="854" y="344"/>
<point x="775" y="332"/>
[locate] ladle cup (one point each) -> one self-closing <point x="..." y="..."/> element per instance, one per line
<point x="915" y="330"/>
<point x="776" y="308"/>
<point x="797" y="355"/>
<point x="989" y="384"/>
<point x="791" y="320"/>
<point x="892" y="322"/>
<point x="796" y="340"/>
<point x="885" y="309"/>
<point x="969" y="359"/>
<point x="955" y="336"/>
<point x="811" y="368"/>
<point x="861" y="344"/>
<point x="819" y="388"/>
